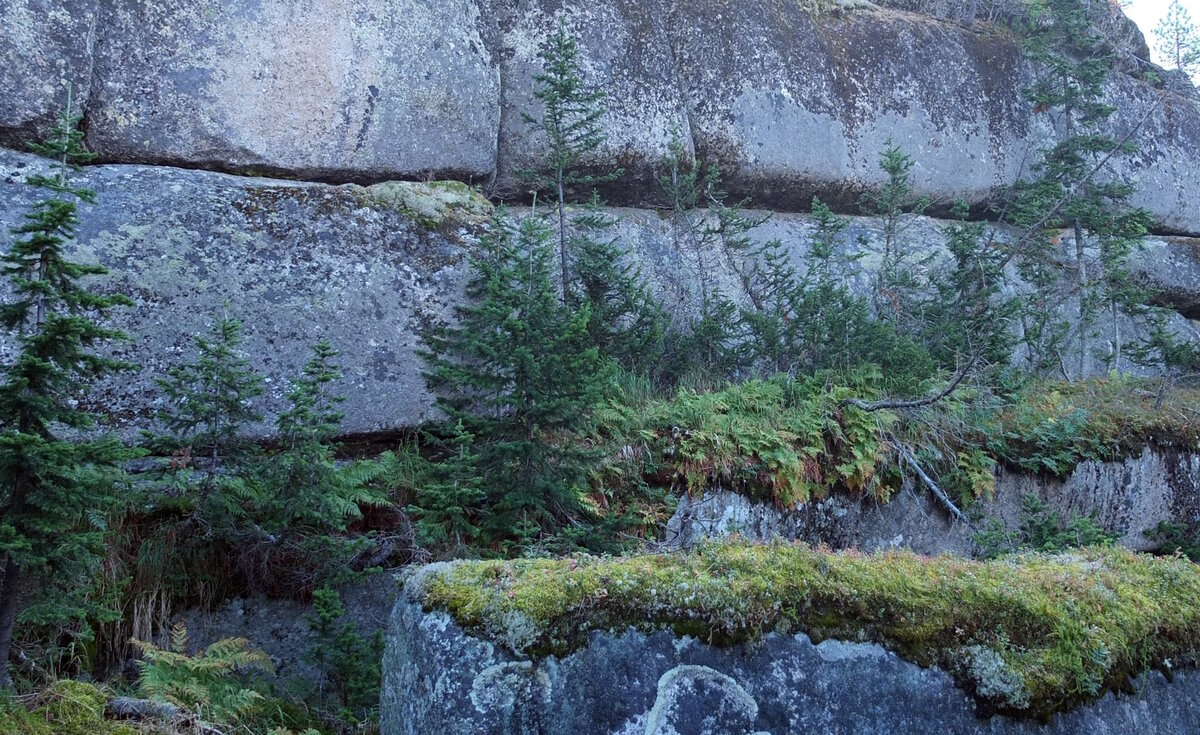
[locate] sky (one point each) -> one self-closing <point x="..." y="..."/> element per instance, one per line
<point x="1147" y="13"/>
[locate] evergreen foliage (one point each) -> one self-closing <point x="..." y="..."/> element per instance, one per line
<point x="1073" y="188"/>
<point x="304" y="489"/>
<point x="349" y="664"/>
<point x="898" y="284"/>
<point x="56" y="493"/>
<point x="517" y="371"/>
<point x="625" y="322"/>
<point x="210" y="406"/>
<point x="1041" y="529"/>
<point x="703" y="226"/>
<point x="571" y="123"/>
<point x="971" y="318"/>
<point x="1178" y="41"/>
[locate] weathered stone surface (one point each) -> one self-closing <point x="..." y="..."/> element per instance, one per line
<point x="790" y="98"/>
<point x="44" y="45"/>
<point x="280" y="627"/>
<point x="364" y="267"/>
<point x="355" y="90"/>
<point x="630" y="683"/>
<point x="296" y="262"/>
<point x="624" y="50"/>
<point x="1126" y="498"/>
<point x="1172" y="267"/>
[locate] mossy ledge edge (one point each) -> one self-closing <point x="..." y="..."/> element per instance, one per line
<point x="1026" y="636"/>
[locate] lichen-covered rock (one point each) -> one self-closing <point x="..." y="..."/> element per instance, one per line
<point x="44" y="46"/>
<point x="1126" y="498"/>
<point x="634" y="683"/>
<point x="356" y="91"/>
<point x="365" y="267"/>
<point x="624" y="50"/>
<point x="791" y="99"/>
<point x="295" y="262"/>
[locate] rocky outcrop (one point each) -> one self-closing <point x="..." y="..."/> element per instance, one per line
<point x="365" y="267"/>
<point x="354" y="90"/>
<point x="791" y="99"/>
<point x="1126" y="498"/>
<point x="295" y="262"/>
<point x="439" y="680"/>
<point x="45" y="45"/>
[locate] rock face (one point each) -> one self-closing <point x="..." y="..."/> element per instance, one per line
<point x="352" y="90"/>
<point x="364" y="267"/>
<point x="438" y="680"/>
<point x="1126" y="498"/>
<point x="44" y="45"/>
<point x="295" y="262"/>
<point x="790" y="98"/>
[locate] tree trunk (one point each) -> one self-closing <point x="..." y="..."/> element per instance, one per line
<point x="1082" y="269"/>
<point x="8" y="616"/>
<point x="562" y="235"/>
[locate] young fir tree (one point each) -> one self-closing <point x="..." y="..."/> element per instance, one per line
<point x="304" y="490"/>
<point x="55" y="492"/>
<point x="210" y="405"/>
<point x="1178" y="41"/>
<point x="971" y="318"/>
<point x="519" y="374"/>
<point x="347" y="662"/>
<point x="1072" y="187"/>
<point x="625" y="322"/>
<point x="571" y="123"/>
<point x="451" y="500"/>
<point x="704" y="227"/>
<point x="898" y="285"/>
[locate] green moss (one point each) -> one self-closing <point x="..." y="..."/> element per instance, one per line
<point x="433" y="205"/>
<point x="1052" y="427"/>
<point x="65" y="708"/>
<point x="1028" y="635"/>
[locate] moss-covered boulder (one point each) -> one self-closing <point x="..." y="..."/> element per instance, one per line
<point x="65" y="708"/>
<point x="1034" y="644"/>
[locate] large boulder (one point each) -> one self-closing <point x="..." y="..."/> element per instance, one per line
<point x="440" y="680"/>
<point x="45" y="45"/>
<point x="295" y="262"/>
<point x="352" y="91"/>
<point x="366" y="267"/>
<point x="790" y="98"/>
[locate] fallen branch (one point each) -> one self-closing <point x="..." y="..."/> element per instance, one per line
<point x="934" y="488"/>
<point x="128" y="708"/>
<point x="901" y="404"/>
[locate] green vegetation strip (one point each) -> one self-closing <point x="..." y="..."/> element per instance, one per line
<point x="1028" y="635"/>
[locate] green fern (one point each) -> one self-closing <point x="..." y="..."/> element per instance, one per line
<point x="211" y="683"/>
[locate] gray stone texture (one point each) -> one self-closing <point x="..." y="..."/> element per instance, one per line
<point x="44" y="46"/>
<point x="437" y="680"/>
<point x="295" y="262"/>
<point x="792" y="99"/>
<point x="1125" y="498"/>
<point x="356" y="90"/>
<point x="364" y="267"/>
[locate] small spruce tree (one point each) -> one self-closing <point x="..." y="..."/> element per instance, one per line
<point x="303" y="488"/>
<point x="519" y="373"/>
<point x="898" y="285"/>
<point x="571" y="123"/>
<point x="210" y="404"/>
<point x="55" y="491"/>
